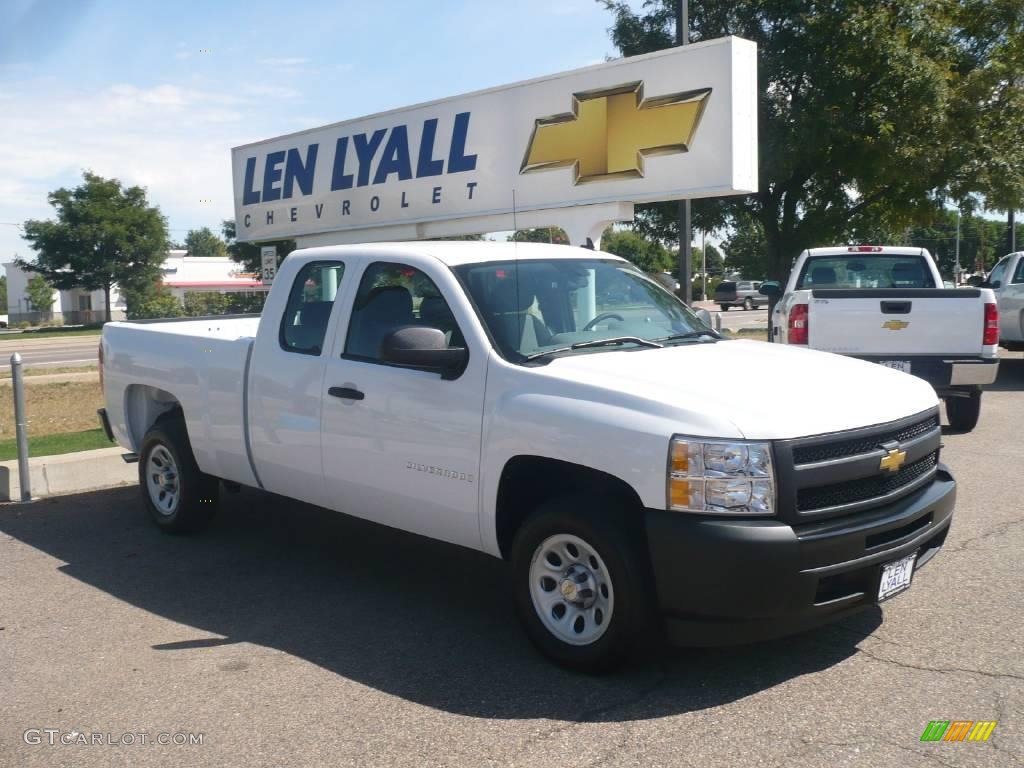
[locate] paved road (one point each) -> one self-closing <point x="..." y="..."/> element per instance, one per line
<point x="737" y="318"/>
<point x="289" y="636"/>
<point x="71" y="352"/>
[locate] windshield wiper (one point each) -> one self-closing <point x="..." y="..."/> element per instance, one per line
<point x="596" y="343"/>
<point x="691" y="335"/>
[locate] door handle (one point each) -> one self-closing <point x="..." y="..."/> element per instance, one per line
<point x="895" y="307"/>
<point x="346" y="393"/>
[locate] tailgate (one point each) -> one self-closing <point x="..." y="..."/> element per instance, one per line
<point x="918" y="321"/>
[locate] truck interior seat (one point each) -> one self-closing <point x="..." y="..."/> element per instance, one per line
<point x="515" y="328"/>
<point x="385" y="309"/>
<point x="907" y="275"/>
<point x="435" y="313"/>
<point x="310" y="325"/>
<point x="821" y="276"/>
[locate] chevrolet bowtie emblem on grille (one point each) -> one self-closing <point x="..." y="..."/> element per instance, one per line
<point x="893" y="460"/>
<point x="895" y="325"/>
<point x="609" y="132"/>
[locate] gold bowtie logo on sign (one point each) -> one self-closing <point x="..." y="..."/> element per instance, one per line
<point x="609" y="132"/>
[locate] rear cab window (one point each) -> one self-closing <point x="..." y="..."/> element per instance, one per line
<point x="858" y="270"/>
<point x="304" y="324"/>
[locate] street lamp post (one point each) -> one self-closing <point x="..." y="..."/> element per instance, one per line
<point x="683" y="38"/>
<point x="956" y="265"/>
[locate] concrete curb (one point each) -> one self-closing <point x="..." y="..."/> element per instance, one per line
<point x="54" y="378"/>
<point x="69" y="473"/>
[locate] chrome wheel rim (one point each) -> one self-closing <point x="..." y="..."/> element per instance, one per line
<point x="571" y="589"/>
<point x="162" y="480"/>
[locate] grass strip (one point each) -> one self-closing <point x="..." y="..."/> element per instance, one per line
<point x="52" y="445"/>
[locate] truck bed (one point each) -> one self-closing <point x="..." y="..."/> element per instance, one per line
<point x="202" y="364"/>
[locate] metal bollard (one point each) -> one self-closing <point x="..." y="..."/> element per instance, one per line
<point x="18" y="385"/>
<point x="718" y="321"/>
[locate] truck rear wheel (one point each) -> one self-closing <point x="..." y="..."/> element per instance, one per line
<point x="963" y="412"/>
<point x="178" y="496"/>
<point x="724" y="307"/>
<point x="581" y="583"/>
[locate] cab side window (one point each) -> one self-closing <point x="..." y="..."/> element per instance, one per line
<point x="998" y="272"/>
<point x="390" y="297"/>
<point x="304" y="325"/>
<point x="1018" y="274"/>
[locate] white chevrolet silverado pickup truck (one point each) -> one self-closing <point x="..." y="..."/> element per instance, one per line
<point x="888" y="305"/>
<point x="556" y="408"/>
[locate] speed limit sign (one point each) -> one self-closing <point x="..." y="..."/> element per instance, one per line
<point x="268" y="264"/>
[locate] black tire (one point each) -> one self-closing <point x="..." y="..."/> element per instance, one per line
<point x="748" y="304"/>
<point x="186" y="503"/>
<point x="724" y="307"/>
<point x="600" y="524"/>
<point x="963" y="412"/>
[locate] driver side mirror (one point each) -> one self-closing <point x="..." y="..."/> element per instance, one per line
<point x="770" y="288"/>
<point x="425" y="348"/>
<point x="993" y="284"/>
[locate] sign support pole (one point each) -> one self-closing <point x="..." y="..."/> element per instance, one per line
<point x="685" y="285"/>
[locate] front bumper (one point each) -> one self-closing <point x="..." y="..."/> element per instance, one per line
<point x="946" y="373"/>
<point x="723" y="581"/>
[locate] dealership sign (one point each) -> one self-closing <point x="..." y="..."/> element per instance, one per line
<point x="678" y="123"/>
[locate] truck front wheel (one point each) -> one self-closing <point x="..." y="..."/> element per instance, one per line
<point x="963" y="412"/>
<point x="178" y="496"/>
<point x="581" y="582"/>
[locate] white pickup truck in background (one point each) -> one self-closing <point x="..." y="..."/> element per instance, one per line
<point x="556" y="408"/>
<point x="887" y="305"/>
<point x="1007" y="282"/>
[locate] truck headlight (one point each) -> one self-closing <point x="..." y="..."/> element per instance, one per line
<point x="717" y="477"/>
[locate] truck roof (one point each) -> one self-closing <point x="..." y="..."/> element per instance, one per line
<point x="456" y="253"/>
<point x="867" y="250"/>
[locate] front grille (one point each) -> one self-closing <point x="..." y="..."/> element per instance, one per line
<point x="865" y="488"/>
<point x="810" y="454"/>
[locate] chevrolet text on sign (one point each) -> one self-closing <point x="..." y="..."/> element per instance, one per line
<point x="673" y="124"/>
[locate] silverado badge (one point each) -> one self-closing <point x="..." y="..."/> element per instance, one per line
<point x="895" y="325"/>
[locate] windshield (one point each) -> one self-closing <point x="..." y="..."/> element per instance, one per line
<point x="860" y="271"/>
<point x="536" y="306"/>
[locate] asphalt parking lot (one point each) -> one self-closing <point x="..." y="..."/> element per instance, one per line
<point x="288" y="636"/>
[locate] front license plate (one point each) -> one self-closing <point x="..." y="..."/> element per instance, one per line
<point x="897" y="365"/>
<point x="896" y="576"/>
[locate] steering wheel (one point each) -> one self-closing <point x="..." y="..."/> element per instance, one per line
<point x="603" y="316"/>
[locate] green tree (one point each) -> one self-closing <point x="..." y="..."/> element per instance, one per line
<point x="647" y="255"/>
<point x="103" y="234"/>
<point x="715" y="260"/>
<point x="147" y="305"/>
<point x="746" y="249"/>
<point x="3" y="294"/>
<point x="202" y="242"/>
<point x="554" y="235"/>
<point x="869" y="115"/>
<point x="248" y="254"/>
<point x="39" y="293"/>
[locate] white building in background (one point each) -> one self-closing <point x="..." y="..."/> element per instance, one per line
<point x="182" y="274"/>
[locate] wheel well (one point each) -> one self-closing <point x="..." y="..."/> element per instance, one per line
<point x="143" y="405"/>
<point x="526" y="481"/>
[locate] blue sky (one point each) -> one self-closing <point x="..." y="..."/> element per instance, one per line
<point x="126" y="88"/>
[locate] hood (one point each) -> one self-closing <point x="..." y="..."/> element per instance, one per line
<point x="768" y="391"/>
